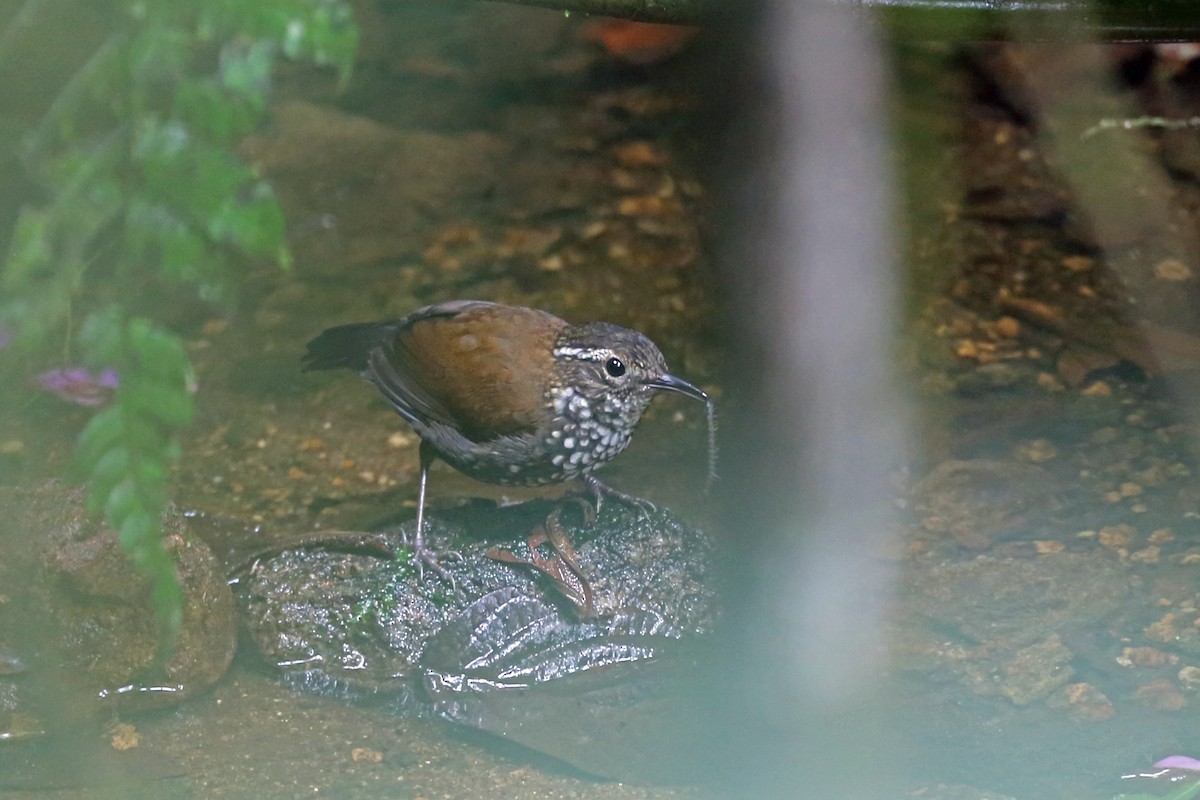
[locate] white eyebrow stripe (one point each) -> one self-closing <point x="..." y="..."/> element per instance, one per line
<point x="584" y="353"/>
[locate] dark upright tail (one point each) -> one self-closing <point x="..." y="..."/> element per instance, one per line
<point x="347" y="345"/>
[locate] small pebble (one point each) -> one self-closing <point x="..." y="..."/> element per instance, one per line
<point x="1163" y="629"/>
<point x="366" y="754"/>
<point x="1078" y="263"/>
<point x="692" y="189"/>
<point x="623" y="179"/>
<point x="124" y="736"/>
<point x="1036" y="451"/>
<point x="1085" y="702"/>
<point x="1145" y="657"/>
<point x="1172" y="269"/>
<point x="666" y="188"/>
<point x="593" y="229"/>
<point x="214" y="327"/>
<point x="618" y="251"/>
<point x="1006" y="328"/>
<point x="1049" y="382"/>
<point x="1161" y="536"/>
<point x="639" y="154"/>
<point x="1120" y="535"/>
<point x="644" y="206"/>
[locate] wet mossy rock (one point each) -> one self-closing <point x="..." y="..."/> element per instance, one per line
<point x="509" y="653"/>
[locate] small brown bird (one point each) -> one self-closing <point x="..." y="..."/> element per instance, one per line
<point x="505" y="394"/>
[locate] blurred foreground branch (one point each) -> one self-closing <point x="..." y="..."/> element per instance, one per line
<point x="1116" y="20"/>
<point x="674" y="11"/>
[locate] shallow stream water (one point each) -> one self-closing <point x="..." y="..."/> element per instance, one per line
<point x="1044" y="638"/>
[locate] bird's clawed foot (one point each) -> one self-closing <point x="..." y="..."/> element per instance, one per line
<point x="601" y="490"/>
<point x="425" y="557"/>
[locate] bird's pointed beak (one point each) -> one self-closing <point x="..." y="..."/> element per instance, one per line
<point x="670" y="383"/>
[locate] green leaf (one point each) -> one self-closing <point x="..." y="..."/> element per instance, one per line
<point x="246" y="67"/>
<point x="158" y="353"/>
<point x="151" y="475"/>
<point x="158" y="54"/>
<point x="101" y="335"/>
<point x="194" y="179"/>
<point x="123" y="500"/>
<point x="328" y="35"/>
<point x="103" y="431"/>
<point x="207" y="107"/>
<point x="255" y="227"/>
<point x="30" y="250"/>
<point x="141" y="432"/>
<point x="171" y="405"/>
<point x="138" y="531"/>
<point x="112" y="468"/>
<point x="184" y="255"/>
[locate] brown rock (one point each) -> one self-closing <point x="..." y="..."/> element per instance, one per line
<point x="1083" y="702"/>
<point x="95" y="607"/>
<point x="1161" y="695"/>
<point x="1036" y="671"/>
<point x="1163" y="629"/>
<point x="1145" y="657"/>
<point x="376" y="189"/>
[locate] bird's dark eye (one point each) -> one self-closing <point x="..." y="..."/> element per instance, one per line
<point x="614" y="367"/>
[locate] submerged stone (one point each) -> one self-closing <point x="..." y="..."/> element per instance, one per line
<point x="78" y="636"/>
<point x="79" y="613"/>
